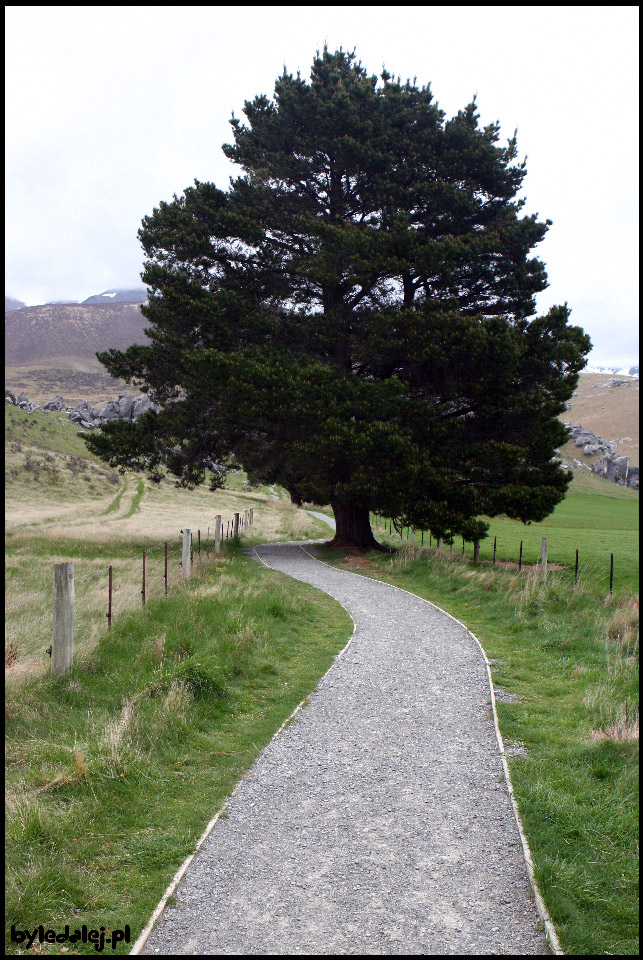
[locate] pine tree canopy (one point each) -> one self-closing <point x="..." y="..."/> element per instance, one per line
<point x="354" y="318"/>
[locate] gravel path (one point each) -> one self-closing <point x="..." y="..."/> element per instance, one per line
<point x="378" y="821"/>
<point x="323" y="518"/>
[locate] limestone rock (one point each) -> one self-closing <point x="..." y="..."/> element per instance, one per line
<point x="605" y="468"/>
<point x="125" y="404"/>
<point x="620" y="466"/>
<point x="110" y="411"/>
<point x="56" y="404"/>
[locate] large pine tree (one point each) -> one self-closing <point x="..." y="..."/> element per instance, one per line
<point x="354" y="318"/>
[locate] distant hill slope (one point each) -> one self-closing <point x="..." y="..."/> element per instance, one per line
<point x="609" y="411"/>
<point x="33" y="336"/>
<point x="139" y="295"/>
<point x="10" y="303"/>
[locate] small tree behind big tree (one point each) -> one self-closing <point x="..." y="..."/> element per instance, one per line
<point x="351" y="319"/>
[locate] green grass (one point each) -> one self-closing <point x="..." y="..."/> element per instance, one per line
<point x="571" y="661"/>
<point x="136" y="499"/>
<point x="50" y="431"/>
<point x="114" y="770"/>
<point x="116" y="502"/>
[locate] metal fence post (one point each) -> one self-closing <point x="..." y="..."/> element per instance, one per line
<point x="62" y="645"/>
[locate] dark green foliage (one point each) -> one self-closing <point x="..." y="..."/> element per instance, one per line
<point x="351" y="319"/>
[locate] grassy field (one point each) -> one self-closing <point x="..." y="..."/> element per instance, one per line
<point x="73" y="379"/>
<point x="64" y="505"/>
<point x="597" y="518"/>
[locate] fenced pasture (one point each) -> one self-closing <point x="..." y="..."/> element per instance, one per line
<point x="598" y="523"/>
<point x="133" y="519"/>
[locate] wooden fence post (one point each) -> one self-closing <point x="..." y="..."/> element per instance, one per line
<point x="252" y="518"/>
<point x="245" y="519"/>
<point x="476" y="551"/>
<point x="236" y="526"/>
<point x="62" y="645"/>
<point x="543" y="559"/>
<point x="217" y="533"/>
<point x="185" y="558"/>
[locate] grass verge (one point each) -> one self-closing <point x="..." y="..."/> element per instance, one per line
<point x="565" y="662"/>
<point x="114" y="770"/>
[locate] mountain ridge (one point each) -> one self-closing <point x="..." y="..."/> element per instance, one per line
<point x="34" y="335"/>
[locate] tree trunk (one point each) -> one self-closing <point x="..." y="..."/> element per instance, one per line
<point x="294" y="497"/>
<point x="352" y="526"/>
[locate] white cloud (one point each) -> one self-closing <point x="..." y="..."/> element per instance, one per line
<point x="110" y="110"/>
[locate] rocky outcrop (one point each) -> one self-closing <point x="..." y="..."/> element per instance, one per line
<point x="610" y="465"/>
<point x="123" y="407"/>
<point x="57" y="404"/>
<point x="588" y="440"/>
<point x="618" y="470"/>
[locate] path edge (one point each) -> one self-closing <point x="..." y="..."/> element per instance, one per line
<point x="180" y="873"/>
<point x="547" y="922"/>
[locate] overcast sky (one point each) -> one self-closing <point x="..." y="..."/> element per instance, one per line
<point x="113" y="109"/>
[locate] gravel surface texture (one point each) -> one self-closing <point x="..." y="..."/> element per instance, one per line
<point x="379" y="820"/>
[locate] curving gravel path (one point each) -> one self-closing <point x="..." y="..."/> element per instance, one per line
<point x="379" y="820"/>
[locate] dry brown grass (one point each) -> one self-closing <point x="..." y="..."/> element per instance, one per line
<point x="163" y="512"/>
<point x="624" y="625"/>
<point x="622" y="730"/>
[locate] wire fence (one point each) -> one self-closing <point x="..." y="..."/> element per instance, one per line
<point x="106" y="594"/>
<point x="426" y="538"/>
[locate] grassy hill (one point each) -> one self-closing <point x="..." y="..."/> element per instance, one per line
<point x="609" y="412"/>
